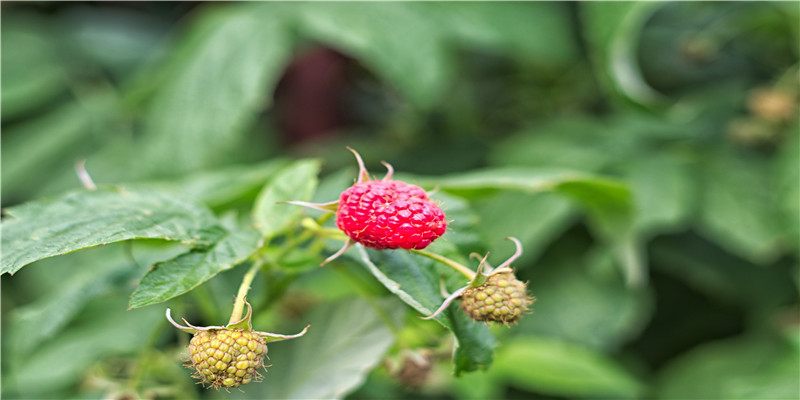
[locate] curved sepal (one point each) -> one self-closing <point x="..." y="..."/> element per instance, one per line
<point x="244" y="323"/>
<point x="447" y="302"/>
<point x="189" y="328"/>
<point x="274" y="337"/>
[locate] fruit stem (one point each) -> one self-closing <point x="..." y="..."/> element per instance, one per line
<point x="446" y="261"/>
<point x="238" y="306"/>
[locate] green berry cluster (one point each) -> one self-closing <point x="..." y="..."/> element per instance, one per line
<point x="227" y="357"/>
<point x="502" y="298"/>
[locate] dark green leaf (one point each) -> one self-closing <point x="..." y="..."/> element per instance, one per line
<point x="563" y="369"/>
<point x="225" y="75"/>
<point x="183" y="273"/>
<point x="32" y="73"/>
<point x="415" y="280"/>
<point x="664" y="192"/>
<point x="741" y="368"/>
<point x="87" y="218"/>
<point x="737" y="209"/>
<point x="108" y="330"/>
<point x="295" y="182"/>
<point x="400" y="41"/>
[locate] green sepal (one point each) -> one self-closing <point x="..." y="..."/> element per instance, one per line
<point x="244" y="323"/>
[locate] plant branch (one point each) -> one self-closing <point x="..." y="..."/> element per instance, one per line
<point x="238" y="306"/>
<point x="446" y="261"/>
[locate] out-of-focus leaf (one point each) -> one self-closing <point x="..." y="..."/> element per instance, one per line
<point x="33" y="151"/>
<point x="664" y="192"/>
<point x="400" y="41"/>
<point x="787" y="186"/>
<point x="536" y="220"/>
<point x="607" y="202"/>
<point x="582" y="297"/>
<point x="222" y="186"/>
<point x="185" y="272"/>
<point x="93" y="273"/>
<point x="563" y="369"/>
<point x="61" y="362"/>
<point x="709" y="269"/>
<point x="416" y="280"/>
<point x="224" y="77"/>
<point x="86" y="218"/>
<point x="32" y="72"/>
<point x="346" y="340"/>
<point x="295" y="182"/>
<point x="537" y="32"/>
<point x="612" y="31"/>
<point x="737" y="209"/>
<point x="742" y="368"/>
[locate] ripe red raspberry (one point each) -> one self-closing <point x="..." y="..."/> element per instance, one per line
<point x="383" y="214"/>
<point x="389" y="215"/>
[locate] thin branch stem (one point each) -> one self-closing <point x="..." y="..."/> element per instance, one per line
<point x="446" y="261"/>
<point x="238" y="306"/>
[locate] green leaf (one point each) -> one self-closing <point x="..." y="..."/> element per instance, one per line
<point x="608" y="202"/>
<point x="185" y="272"/>
<point x="537" y="32"/>
<point x="39" y="149"/>
<point x="562" y="369"/>
<point x="87" y="218"/>
<point x="295" y="182"/>
<point x="582" y="298"/>
<point x="399" y="41"/>
<point x="737" y="208"/>
<point x="32" y="73"/>
<point x="664" y="192"/>
<point x="105" y="330"/>
<point x="222" y="186"/>
<point x="415" y="280"/>
<point x="346" y="340"/>
<point x="612" y="32"/>
<point x="224" y="76"/>
<point x="748" y="367"/>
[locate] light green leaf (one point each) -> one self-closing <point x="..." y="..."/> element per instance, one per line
<point x="295" y="182"/>
<point x="86" y="218"/>
<point x="400" y="41"/>
<point x="185" y="272"/>
<point x="562" y="369"/>
<point x="224" y="76"/>
<point x="612" y="32"/>
<point x="415" y="280"/>
<point x="537" y="32"/>
<point x="664" y="192"/>
<point x="346" y="340"/>
<point x="741" y="368"/>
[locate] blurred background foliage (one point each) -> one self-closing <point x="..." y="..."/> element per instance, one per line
<point x="693" y="105"/>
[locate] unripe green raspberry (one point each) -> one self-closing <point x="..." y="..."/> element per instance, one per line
<point x="227" y="357"/>
<point x="502" y="298"/>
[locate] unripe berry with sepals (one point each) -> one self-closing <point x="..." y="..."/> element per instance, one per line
<point x="502" y="298"/>
<point x="227" y="357"/>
